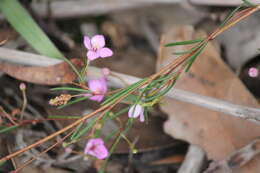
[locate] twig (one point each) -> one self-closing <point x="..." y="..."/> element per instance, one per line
<point x="220" y="3"/>
<point x="248" y="113"/>
<point x="72" y="8"/>
<point x="194" y="160"/>
<point x="237" y="159"/>
<point x="19" y="57"/>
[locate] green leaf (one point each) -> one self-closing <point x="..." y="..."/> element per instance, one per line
<point x="248" y="3"/>
<point x="193" y="57"/>
<point x="73" y="102"/>
<point x="81" y="132"/>
<point x="69" y="89"/>
<point x="27" y="27"/>
<point x="231" y="15"/>
<point x="188" y="51"/>
<point x="7" y="129"/>
<point x="131" y="98"/>
<point x="184" y="42"/>
<point x="132" y="87"/>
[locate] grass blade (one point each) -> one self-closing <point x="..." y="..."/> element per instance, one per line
<point x="69" y="89"/>
<point x="7" y="129"/>
<point x="23" y="23"/>
<point x="184" y="42"/>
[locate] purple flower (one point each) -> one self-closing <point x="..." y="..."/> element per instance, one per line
<point x="136" y="111"/>
<point x="95" y="147"/>
<point x="253" y="72"/>
<point x="96" y="47"/>
<point x="98" y="88"/>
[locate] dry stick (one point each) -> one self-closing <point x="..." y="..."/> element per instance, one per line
<point x="194" y="160"/>
<point x="172" y="65"/>
<point x="237" y="159"/>
<point x="72" y="8"/>
<point x="219" y="3"/>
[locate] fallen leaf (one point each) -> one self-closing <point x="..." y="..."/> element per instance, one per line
<point x="52" y="75"/>
<point x="218" y="134"/>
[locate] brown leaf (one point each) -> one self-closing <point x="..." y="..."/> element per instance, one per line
<point x="219" y="134"/>
<point x="52" y="75"/>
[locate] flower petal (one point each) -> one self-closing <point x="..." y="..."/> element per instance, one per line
<point x="98" y="41"/>
<point x="105" y="52"/>
<point x="99" y="86"/>
<point x="92" y="55"/>
<point x="100" y="151"/>
<point x="135" y="111"/>
<point x="97" y="98"/>
<point x="141" y="117"/>
<point x="96" y="148"/>
<point x="87" y="42"/>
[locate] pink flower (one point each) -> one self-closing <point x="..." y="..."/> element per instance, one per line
<point x="136" y="111"/>
<point x="106" y="71"/>
<point x="253" y="72"/>
<point x="96" y="148"/>
<point x="96" y="47"/>
<point x="98" y="88"/>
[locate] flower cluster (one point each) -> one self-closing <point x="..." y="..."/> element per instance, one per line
<point x="98" y="87"/>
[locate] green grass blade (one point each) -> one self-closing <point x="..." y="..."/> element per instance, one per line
<point x="23" y="23"/>
<point x="86" y="129"/>
<point x="192" y="59"/>
<point x="69" y="89"/>
<point x="231" y="15"/>
<point x="132" y="87"/>
<point x="184" y="42"/>
<point x="7" y="129"/>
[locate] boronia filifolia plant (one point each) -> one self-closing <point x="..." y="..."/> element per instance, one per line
<point x="140" y="97"/>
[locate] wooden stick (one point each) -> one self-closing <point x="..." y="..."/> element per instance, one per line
<point x="72" y="8"/>
<point x="194" y="160"/>
<point x="220" y="2"/>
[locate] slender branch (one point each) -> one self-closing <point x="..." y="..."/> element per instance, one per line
<point x="248" y="113"/>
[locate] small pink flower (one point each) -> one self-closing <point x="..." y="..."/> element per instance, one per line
<point x="136" y="111"/>
<point x="106" y="71"/>
<point x="22" y="86"/>
<point x="96" y="47"/>
<point x="98" y="88"/>
<point x="253" y="72"/>
<point x="96" y="148"/>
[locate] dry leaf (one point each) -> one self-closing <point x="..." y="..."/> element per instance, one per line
<point x="218" y="134"/>
<point x="52" y="75"/>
